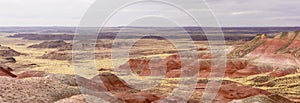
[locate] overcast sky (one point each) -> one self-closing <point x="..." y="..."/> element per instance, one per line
<point x="228" y="12"/>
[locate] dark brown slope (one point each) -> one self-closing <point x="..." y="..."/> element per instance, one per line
<point x="8" y="52"/>
<point x="6" y="71"/>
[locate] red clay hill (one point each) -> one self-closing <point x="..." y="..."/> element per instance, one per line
<point x="255" y="57"/>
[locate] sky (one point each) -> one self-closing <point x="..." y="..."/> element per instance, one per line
<point x="228" y="12"/>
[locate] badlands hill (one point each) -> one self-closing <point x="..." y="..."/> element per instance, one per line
<point x="278" y="56"/>
<point x="285" y="44"/>
<point x="263" y="70"/>
<point x="268" y="63"/>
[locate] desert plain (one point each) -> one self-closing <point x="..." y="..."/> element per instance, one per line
<point x="260" y="65"/>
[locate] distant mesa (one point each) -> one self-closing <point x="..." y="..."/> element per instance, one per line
<point x="51" y="44"/>
<point x="36" y="36"/>
<point x="196" y="33"/>
<point x="64" y="50"/>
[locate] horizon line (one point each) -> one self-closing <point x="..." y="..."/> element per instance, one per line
<point x="148" y="26"/>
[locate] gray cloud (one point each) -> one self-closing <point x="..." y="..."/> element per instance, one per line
<point x="42" y="12"/>
<point x="228" y="12"/>
<point x="256" y="12"/>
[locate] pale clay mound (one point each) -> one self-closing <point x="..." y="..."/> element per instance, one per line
<point x="82" y="98"/>
<point x="34" y="90"/>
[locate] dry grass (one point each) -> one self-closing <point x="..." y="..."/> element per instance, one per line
<point x="51" y="66"/>
<point x="66" y="67"/>
<point x="286" y="86"/>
